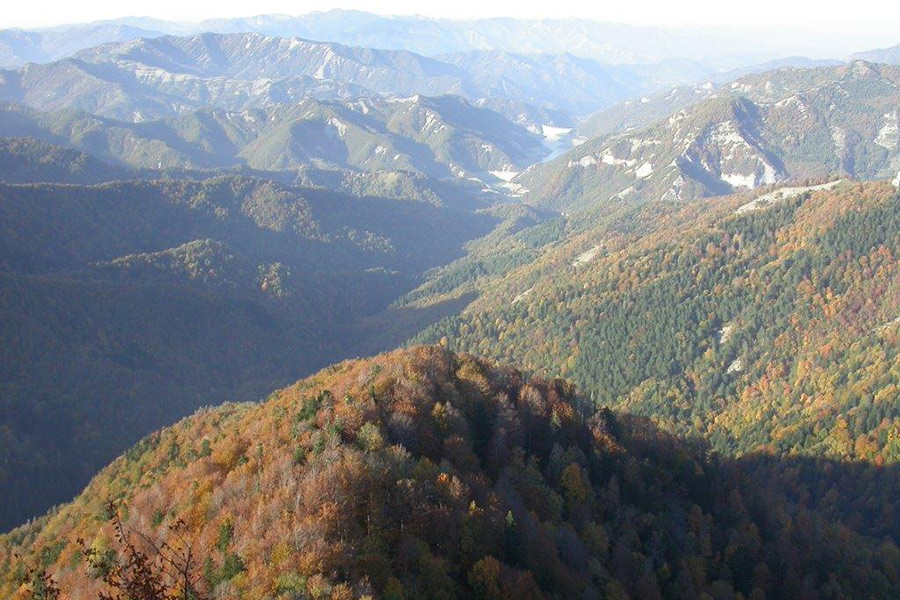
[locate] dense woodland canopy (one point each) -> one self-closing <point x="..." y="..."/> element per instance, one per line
<point x="427" y="474"/>
<point x="772" y="329"/>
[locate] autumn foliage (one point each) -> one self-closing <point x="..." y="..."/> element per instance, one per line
<point x="428" y="474"/>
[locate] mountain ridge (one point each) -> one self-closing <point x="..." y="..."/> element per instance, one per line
<point x="437" y="475"/>
<point x="760" y="130"/>
<point x="621" y="43"/>
<point x="142" y="77"/>
<point x="437" y="137"/>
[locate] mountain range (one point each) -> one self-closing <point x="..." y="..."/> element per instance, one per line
<point x="690" y="260"/>
<point x="608" y="43"/>
<point x="151" y="78"/>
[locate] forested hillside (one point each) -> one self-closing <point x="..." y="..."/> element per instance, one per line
<point x="764" y="322"/>
<point x="432" y="475"/>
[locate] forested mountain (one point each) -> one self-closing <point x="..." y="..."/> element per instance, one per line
<point x="30" y="160"/>
<point x="196" y="215"/>
<point x="148" y="79"/>
<point x="759" y="130"/>
<point x="564" y="81"/>
<point x="440" y="137"/>
<point x="638" y="113"/>
<point x="797" y="62"/>
<point x="127" y="305"/>
<point x="762" y="322"/>
<point x="432" y="475"/>
<point x="152" y="78"/>
<point x="320" y="270"/>
<point x="27" y="160"/>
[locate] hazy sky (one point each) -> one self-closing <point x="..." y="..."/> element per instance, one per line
<point x="854" y="24"/>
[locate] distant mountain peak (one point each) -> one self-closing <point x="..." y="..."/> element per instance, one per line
<point x="762" y="129"/>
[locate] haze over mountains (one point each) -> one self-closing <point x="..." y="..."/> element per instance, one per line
<point x="883" y="55"/>
<point x="686" y="251"/>
<point x="608" y="43"/>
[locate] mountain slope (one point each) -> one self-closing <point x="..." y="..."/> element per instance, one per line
<point x="427" y="474"/>
<point x="563" y="81"/>
<point x="18" y="47"/>
<point x="764" y="321"/>
<point x="153" y="78"/>
<point x="641" y="113"/>
<point x="26" y="159"/>
<point x="763" y="129"/>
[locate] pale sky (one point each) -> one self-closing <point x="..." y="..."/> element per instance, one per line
<point x="862" y="24"/>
